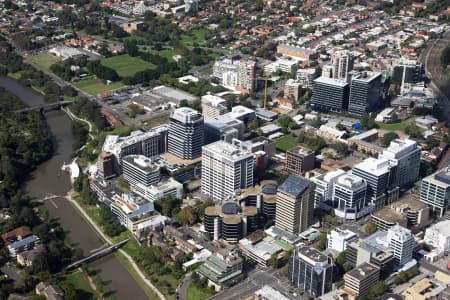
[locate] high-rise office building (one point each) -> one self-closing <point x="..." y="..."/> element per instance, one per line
<point x="311" y="271"/>
<point x="406" y="154"/>
<point x="380" y="177"/>
<point x="358" y="281"/>
<point x="225" y="169"/>
<point x="349" y="197"/>
<point x="140" y="169"/>
<point x="330" y="95"/>
<point x="371" y="251"/>
<point x="365" y="93"/>
<point x="105" y="165"/>
<point x="342" y="62"/>
<point x="323" y="188"/>
<point x="339" y="239"/>
<point x="401" y="241"/>
<point x="299" y="160"/>
<point x="150" y="144"/>
<point x="186" y="133"/>
<point x="295" y="204"/>
<point x="435" y="191"/>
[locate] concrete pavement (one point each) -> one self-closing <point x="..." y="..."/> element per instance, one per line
<point x="182" y="291"/>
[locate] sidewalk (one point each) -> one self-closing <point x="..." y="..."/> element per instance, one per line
<point x="110" y="242"/>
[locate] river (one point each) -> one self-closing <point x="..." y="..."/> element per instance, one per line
<point x="48" y="179"/>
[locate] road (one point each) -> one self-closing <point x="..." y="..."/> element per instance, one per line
<point x="182" y="291"/>
<point x="255" y="280"/>
<point x="432" y="268"/>
<point x="199" y="239"/>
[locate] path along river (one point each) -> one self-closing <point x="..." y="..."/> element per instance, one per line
<point x="48" y="179"/>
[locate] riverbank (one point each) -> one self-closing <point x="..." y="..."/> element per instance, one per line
<point x="48" y="178"/>
<point x="130" y="261"/>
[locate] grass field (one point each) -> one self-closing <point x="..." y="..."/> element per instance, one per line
<point x="394" y="126"/>
<point x="93" y="86"/>
<point x="44" y="61"/>
<point x="167" y="54"/>
<point x="194" y="293"/>
<point x="126" y="65"/>
<point x="80" y="282"/>
<point x="197" y="36"/>
<point x="286" y="142"/>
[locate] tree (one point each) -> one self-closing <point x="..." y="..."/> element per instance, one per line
<point x="388" y="137"/>
<point x="322" y="244"/>
<point x="371" y="228"/>
<point x="431" y="142"/>
<point x="186" y="216"/>
<point x="414" y="131"/>
<point x="273" y="261"/>
<point x="341" y="148"/>
<point x="253" y="124"/>
<point x="367" y="122"/>
<point x="445" y="57"/>
<point x="131" y="47"/>
<point x="379" y="288"/>
<point x="286" y="122"/>
<point x="168" y="205"/>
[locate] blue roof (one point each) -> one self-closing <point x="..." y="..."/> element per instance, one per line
<point x="294" y="185"/>
<point x="24" y="242"/>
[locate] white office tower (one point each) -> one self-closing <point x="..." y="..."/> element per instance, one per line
<point x="380" y="177"/>
<point x="138" y="169"/>
<point x="349" y="197"/>
<point x="435" y="191"/>
<point x="213" y="106"/>
<point x="338" y="239"/>
<point x="406" y="154"/>
<point x="191" y="5"/>
<point x="342" y="62"/>
<point x="323" y="188"/>
<point x="401" y="241"/>
<point x="225" y="169"/>
<point x="186" y="132"/>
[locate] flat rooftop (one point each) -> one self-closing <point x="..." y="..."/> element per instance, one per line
<point x="141" y="162"/>
<point x="331" y="81"/>
<point x="367" y="76"/>
<point x="227" y="150"/>
<point x="299" y="150"/>
<point x="313" y="254"/>
<point x="362" y="271"/>
<point x="175" y="160"/>
<point x="375" y="166"/>
<point x="294" y="185"/>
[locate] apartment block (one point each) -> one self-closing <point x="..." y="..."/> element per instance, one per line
<point x="225" y="169"/>
<point x="299" y="160"/>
